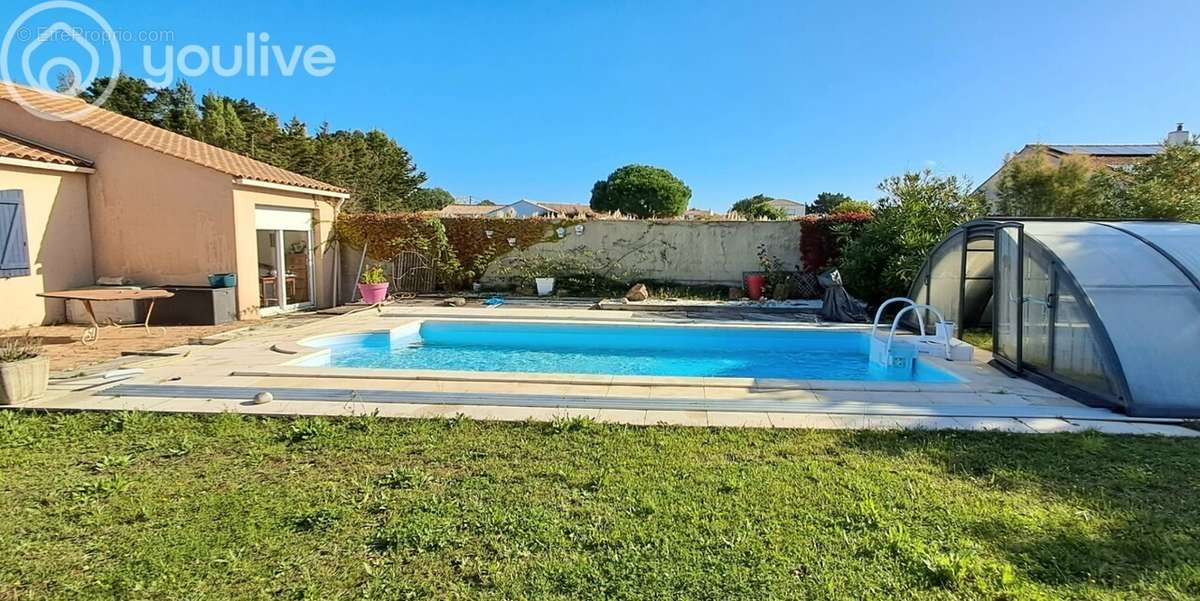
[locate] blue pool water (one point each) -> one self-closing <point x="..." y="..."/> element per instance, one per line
<point x="617" y="350"/>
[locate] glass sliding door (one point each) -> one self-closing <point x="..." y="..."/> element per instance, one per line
<point x="297" y="263"/>
<point x="268" y="269"/>
<point x="285" y="259"/>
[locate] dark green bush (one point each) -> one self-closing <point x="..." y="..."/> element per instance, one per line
<point x="917" y="211"/>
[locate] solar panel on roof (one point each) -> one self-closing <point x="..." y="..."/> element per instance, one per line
<point x="1109" y="149"/>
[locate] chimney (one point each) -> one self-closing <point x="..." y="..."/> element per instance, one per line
<point x="1178" y="137"/>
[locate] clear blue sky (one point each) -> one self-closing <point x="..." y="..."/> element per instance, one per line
<point x="505" y="100"/>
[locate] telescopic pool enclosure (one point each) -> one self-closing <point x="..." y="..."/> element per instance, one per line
<point x="1105" y="311"/>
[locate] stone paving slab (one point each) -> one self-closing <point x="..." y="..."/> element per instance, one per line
<point x="635" y="417"/>
<point x="987" y="399"/>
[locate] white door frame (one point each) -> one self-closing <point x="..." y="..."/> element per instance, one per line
<point x="279" y="220"/>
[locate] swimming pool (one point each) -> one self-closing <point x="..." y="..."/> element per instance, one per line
<point x="635" y="350"/>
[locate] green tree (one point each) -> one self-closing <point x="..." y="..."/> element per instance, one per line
<point x="261" y="127"/>
<point x="294" y="149"/>
<point x="176" y="110"/>
<point x="427" y="199"/>
<point x="213" y="128"/>
<point x="826" y="201"/>
<point x="852" y="206"/>
<point x="758" y="207"/>
<point x="235" y="132"/>
<point x="379" y="171"/>
<point x="916" y="212"/>
<point x="1165" y="186"/>
<point x="1076" y="185"/>
<point x="642" y="191"/>
<point x="130" y="96"/>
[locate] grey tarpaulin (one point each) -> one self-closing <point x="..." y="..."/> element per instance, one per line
<point x="838" y="305"/>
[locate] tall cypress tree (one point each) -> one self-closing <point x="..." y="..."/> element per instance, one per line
<point x="177" y="110"/>
<point x="213" y="128"/>
<point x="235" y="133"/>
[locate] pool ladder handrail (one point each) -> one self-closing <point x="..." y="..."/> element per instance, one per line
<point x="912" y="305"/>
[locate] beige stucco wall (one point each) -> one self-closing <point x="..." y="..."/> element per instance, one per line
<point x="60" y="244"/>
<point x="161" y="220"/>
<point x="154" y="218"/>
<point x="712" y="252"/>
<point x="245" y="200"/>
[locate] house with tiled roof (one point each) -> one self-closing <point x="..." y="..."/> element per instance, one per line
<point x="521" y="209"/>
<point x="1115" y="156"/>
<point x="86" y="192"/>
<point x="466" y="210"/>
<point x="790" y="208"/>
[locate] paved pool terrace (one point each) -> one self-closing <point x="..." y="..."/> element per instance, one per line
<point x="225" y="377"/>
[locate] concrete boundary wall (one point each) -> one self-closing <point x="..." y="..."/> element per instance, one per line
<point x="687" y="252"/>
<point x="690" y="252"/>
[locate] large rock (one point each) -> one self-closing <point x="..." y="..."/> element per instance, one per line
<point x="456" y="301"/>
<point x="639" y="292"/>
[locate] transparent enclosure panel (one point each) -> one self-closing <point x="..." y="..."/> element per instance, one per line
<point x="1035" y="310"/>
<point x="946" y="280"/>
<point x="1006" y="301"/>
<point x="1077" y="357"/>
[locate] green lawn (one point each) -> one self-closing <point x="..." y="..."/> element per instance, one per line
<point x="979" y="338"/>
<point x="133" y="506"/>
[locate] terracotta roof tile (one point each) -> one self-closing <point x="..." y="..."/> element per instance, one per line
<point x="167" y="142"/>
<point x="17" y="148"/>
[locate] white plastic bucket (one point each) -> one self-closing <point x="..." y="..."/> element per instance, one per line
<point x="545" y="286"/>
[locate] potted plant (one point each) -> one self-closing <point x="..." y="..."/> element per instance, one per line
<point x="24" y="372"/>
<point x="373" y="285"/>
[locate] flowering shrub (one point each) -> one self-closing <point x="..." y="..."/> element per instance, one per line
<point x="820" y="243"/>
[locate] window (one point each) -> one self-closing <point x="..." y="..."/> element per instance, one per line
<point x="14" y="240"/>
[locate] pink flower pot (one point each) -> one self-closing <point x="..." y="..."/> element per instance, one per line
<point x="373" y="294"/>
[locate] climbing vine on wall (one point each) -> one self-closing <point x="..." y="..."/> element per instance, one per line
<point x="476" y="250"/>
<point x="461" y="245"/>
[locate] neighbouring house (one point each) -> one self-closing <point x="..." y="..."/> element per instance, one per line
<point x="697" y="214"/>
<point x="462" y="210"/>
<point x="567" y="210"/>
<point x="521" y="209"/>
<point x="1116" y="156"/>
<point x="790" y="208"/>
<point x="86" y="192"/>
